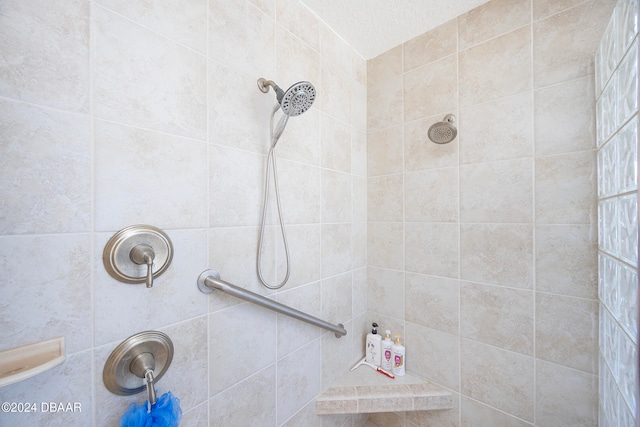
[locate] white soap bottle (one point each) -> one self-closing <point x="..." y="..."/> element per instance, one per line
<point x="387" y="360"/>
<point x="398" y="355"/>
<point x="372" y="351"/>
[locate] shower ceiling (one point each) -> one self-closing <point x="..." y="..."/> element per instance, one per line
<point x="372" y="27"/>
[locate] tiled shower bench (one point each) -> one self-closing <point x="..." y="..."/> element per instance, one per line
<point x="366" y="391"/>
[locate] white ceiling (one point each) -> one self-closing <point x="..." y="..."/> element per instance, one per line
<point x="372" y="27"/>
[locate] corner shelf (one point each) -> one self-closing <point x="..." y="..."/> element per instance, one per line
<point x="27" y="361"/>
<point x="365" y="391"/>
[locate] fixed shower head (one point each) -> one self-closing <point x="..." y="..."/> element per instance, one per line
<point x="295" y="100"/>
<point x="444" y="131"/>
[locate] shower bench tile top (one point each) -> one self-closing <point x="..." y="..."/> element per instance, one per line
<point x="366" y="391"/>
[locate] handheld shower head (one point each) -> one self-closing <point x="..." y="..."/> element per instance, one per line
<point x="295" y="100"/>
<point x="444" y="131"/>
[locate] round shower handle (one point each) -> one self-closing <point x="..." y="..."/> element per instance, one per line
<point x="138" y="254"/>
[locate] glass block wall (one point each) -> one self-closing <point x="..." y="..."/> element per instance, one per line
<point x="616" y="64"/>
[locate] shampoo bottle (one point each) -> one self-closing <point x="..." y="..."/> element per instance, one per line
<point x="387" y="360"/>
<point x="372" y="353"/>
<point x="398" y="355"/>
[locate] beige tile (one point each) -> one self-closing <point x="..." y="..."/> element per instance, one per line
<point x="497" y="192"/>
<point x="563" y="44"/>
<point x="36" y="196"/>
<point x="432" y="195"/>
<point x="384" y="102"/>
<point x="425" y="350"/>
<point x="384" y="152"/>
<point x="492" y="19"/>
<point x="475" y="414"/>
<point x="358" y="106"/>
<point x="336" y="196"/>
<point x="545" y="8"/>
<point x="292" y="333"/>
<point x="337" y="298"/>
<point x="498" y="316"/>
<point x="248" y="37"/>
<point x="306" y="417"/>
<point x="359" y="291"/>
<point x="300" y="21"/>
<point x="565" y="397"/>
<point x="386" y="292"/>
<point x="385" y="246"/>
<point x="299" y="378"/>
<point x="335" y="49"/>
<point x="335" y="91"/>
<point x="45" y="50"/>
<point x="432" y="302"/>
<point x="499" y="254"/>
<point x="358" y="244"/>
<point x="420" y="153"/>
<point x="565" y="117"/>
<point x="497" y="130"/>
<point x="335" y="143"/>
<point x="133" y="83"/>
<point x="236" y="172"/>
<point x="129" y="158"/>
<point x="189" y="364"/>
<point x="498" y="378"/>
<point x="300" y="192"/>
<point x="359" y="152"/>
<point x="444" y="418"/>
<point x="565" y="188"/>
<point x="430" y="46"/>
<point x="227" y="121"/>
<point x="385" y="198"/>
<point x="182" y="21"/>
<point x="384" y="66"/>
<point x="226" y="409"/>
<point x="567" y="331"/>
<point x="432" y="248"/>
<point x="304" y="252"/>
<point x="335" y="360"/>
<point x="336" y="249"/>
<point x="359" y="198"/>
<point x="431" y="89"/>
<point x="249" y="356"/>
<point x="230" y="250"/>
<point x="70" y="382"/>
<point x="566" y="260"/>
<point x="51" y="300"/>
<point x="197" y="417"/>
<point x="497" y="68"/>
<point x="387" y="419"/>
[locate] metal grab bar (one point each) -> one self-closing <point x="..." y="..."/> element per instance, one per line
<point x="209" y="280"/>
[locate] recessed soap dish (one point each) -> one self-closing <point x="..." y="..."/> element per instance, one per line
<point x="27" y="361"/>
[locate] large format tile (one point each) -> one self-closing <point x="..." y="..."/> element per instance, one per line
<point x="45" y="50"/>
<point x="45" y="169"/>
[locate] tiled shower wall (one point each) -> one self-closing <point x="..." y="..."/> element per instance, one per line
<point x="483" y="251"/>
<point x="617" y="131"/>
<point x="120" y="112"/>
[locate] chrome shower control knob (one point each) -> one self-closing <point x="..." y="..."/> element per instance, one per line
<point x="138" y="254"/>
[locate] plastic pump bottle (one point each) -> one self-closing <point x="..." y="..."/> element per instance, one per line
<point x="387" y="360"/>
<point x="372" y="351"/>
<point x="398" y="355"/>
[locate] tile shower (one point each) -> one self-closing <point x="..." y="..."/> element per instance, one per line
<point x="121" y="112"/>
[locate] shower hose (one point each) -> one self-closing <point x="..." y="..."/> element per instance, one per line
<point x="272" y="164"/>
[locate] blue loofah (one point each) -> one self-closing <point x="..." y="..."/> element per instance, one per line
<point x="165" y="413"/>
